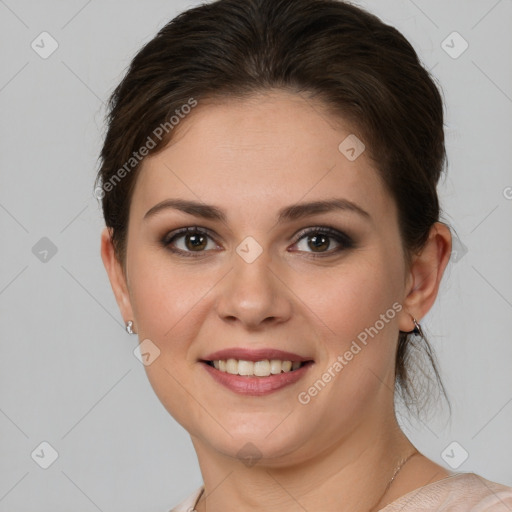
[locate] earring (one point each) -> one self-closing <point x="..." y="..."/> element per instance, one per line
<point x="129" y="327"/>
<point x="417" y="328"/>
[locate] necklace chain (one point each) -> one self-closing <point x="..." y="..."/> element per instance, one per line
<point x="401" y="464"/>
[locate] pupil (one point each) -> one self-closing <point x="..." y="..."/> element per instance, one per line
<point x="318" y="241"/>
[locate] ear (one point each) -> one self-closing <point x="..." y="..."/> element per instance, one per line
<point x="425" y="275"/>
<point x="116" y="275"/>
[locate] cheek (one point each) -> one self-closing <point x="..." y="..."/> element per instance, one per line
<point x="165" y="298"/>
<point x="351" y="297"/>
<point x="359" y="303"/>
<point x="359" y="306"/>
<point x="168" y="303"/>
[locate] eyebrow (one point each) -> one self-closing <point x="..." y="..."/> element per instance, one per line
<point x="289" y="213"/>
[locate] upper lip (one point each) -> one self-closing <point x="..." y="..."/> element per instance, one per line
<point x="254" y="355"/>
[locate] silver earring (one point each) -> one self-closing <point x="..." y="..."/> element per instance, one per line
<point x="417" y="328"/>
<point x="129" y="327"/>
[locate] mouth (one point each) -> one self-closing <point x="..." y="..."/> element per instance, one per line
<point x="255" y="372"/>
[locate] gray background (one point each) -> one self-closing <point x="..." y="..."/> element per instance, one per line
<point x="68" y="373"/>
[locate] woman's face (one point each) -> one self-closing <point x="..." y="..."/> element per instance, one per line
<point x="255" y="281"/>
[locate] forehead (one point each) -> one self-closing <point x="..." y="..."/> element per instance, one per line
<point x="263" y="152"/>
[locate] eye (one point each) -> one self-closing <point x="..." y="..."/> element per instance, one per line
<point x="320" y="241"/>
<point x="189" y="240"/>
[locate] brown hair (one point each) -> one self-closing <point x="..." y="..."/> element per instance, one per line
<point x="360" y="69"/>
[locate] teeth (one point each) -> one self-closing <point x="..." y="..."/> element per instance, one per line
<point x="245" y="368"/>
<point x="287" y="366"/>
<point x="232" y="366"/>
<point x="275" y="366"/>
<point x="262" y="368"/>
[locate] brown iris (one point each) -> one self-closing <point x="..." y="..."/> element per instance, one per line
<point x="318" y="241"/>
<point x="195" y="242"/>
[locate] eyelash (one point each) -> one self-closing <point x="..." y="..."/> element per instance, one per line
<point x="343" y="239"/>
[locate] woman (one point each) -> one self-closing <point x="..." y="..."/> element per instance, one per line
<point x="268" y="183"/>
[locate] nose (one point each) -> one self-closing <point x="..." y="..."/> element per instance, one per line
<point x="254" y="294"/>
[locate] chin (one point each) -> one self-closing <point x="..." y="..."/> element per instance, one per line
<point x="263" y="442"/>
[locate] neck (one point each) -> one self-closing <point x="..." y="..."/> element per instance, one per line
<point x="349" y="475"/>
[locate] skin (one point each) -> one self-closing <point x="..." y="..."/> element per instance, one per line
<point x="251" y="158"/>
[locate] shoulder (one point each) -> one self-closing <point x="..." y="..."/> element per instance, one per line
<point x="187" y="505"/>
<point x="460" y="492"/>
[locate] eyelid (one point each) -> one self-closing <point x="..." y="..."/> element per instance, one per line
<point x="325" y="228"/>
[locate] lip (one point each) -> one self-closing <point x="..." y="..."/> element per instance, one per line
<point x="254" y="355"/>
<point x="257" y="386"/>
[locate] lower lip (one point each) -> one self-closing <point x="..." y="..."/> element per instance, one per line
<point x="256" y="386"/>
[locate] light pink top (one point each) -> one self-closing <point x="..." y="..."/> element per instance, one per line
<point x="461" y="492"/>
